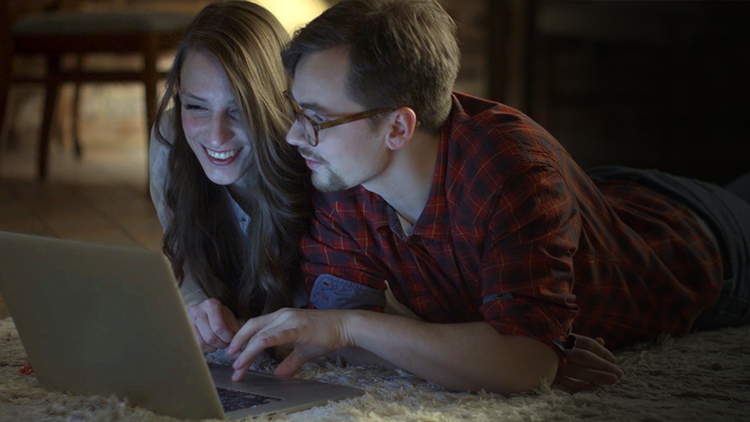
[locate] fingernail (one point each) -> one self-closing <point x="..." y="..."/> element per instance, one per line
<point x="231" y="349"/>
<point x="22" y="370"/>
<point x="236" y="376"/>
<point x="30" y="371"/>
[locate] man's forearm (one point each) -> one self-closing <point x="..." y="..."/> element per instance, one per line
<point x="461" y="357"/>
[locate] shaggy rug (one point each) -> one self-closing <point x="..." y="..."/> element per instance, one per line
<point x="700" y="377"/>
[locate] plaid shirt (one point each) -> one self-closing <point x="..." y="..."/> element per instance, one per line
<point x="514" y="233"/>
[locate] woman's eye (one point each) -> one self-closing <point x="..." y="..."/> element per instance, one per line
<point x="192" y="107"/>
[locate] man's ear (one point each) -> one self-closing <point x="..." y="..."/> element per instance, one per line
<point x="403" y="123"/>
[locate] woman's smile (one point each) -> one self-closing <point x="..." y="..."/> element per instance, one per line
<point x="222" y="157"/>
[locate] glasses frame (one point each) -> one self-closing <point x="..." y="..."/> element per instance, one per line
<point x="317" y="127"/>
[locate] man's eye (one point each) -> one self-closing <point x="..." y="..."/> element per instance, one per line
<point x="317" y="119"/>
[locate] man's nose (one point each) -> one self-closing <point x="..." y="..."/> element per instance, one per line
<point x="296" y="136"/>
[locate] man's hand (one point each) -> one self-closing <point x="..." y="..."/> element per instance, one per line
<point x="589" y="364"/>
<point x="214" y="324"/>
<point x="314" y="333"/>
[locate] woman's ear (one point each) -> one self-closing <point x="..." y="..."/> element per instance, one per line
<point x="403" y="123"/>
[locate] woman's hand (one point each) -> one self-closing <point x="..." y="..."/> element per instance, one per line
<point x="590" y="364"/>
<point x="214" y="324"/>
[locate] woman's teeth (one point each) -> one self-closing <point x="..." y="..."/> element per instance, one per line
<point x="222" y="155"/>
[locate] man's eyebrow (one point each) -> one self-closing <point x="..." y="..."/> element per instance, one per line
<point x="313" y="107"/>
<point x="317" y="108"/>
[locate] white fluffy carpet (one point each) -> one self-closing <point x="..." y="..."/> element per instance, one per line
<point x="701" y="377"/>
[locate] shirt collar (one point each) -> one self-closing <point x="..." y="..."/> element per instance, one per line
<point x="433" y="223"/>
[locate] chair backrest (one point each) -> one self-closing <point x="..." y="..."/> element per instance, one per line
<point x="12" y="10"/>
<point x="19" y="8"/>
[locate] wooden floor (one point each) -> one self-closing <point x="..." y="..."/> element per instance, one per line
<point x="100" y="197"/>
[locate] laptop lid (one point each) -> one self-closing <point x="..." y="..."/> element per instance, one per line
<point x="102" y="320"/>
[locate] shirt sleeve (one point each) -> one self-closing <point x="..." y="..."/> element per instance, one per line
<point x="191" y="292"/>
<point x="528" y="259"/>
<point x="158" y="156"/>
<point x="338" y="275"/>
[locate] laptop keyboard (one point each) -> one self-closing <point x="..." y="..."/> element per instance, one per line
<point x="235" y="400"/>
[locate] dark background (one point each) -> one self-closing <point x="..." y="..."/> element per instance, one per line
<point x="654" y="84"/>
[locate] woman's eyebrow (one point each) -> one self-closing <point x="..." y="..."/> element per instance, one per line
<point x="191" y="96"/>
<point x="194" y="97"/>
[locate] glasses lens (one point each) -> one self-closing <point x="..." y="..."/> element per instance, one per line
<point x="307" y="128"/>
<point x="304" y="122"/>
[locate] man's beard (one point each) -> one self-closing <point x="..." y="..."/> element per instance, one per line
<point x="334" y="183"/>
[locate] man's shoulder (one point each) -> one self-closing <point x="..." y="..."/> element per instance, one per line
<point x="479" y="124"/>
<point x="474" y="111"/>
<point x="489" y="141"/>
<point x="489" y="147"/>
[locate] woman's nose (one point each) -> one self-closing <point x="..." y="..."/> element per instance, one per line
<point x="221" y="131"/>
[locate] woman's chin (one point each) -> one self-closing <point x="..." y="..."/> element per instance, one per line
<point x="223" y="175"/>
<point x="223" y="178"/>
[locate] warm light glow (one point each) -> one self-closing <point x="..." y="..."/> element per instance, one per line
<point x="294" y="13"/>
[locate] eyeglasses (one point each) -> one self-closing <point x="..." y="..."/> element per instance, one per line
<point x="311" y="128"/>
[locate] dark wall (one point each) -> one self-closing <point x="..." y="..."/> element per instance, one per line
<point x="657" y="84"/>
<point x="668" y="88"/>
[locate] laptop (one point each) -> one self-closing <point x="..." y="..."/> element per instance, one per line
<point x="103" y="320"/>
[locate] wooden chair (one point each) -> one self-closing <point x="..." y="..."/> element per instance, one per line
<point x="147" y="33"/>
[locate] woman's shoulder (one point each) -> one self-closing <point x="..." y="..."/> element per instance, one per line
<point x="161" y="137"/>
<point x="163" y="130"/>
<point x="158" y="154"/>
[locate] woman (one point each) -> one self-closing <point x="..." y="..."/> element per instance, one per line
<point x="230" y="193"/>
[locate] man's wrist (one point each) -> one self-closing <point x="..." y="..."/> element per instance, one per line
<point x="353" y="325"/>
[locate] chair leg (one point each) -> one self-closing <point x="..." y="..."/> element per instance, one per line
<point x="75" y="124"/>
<point x="75" y="127"/>
<point x="4" y="88"/>
<point x="12" y="111"/>
<point x="6" y="56"/>
<point x="53" y="82"/>
<point x="5" y="79"/>
<point x="150" y="79"/>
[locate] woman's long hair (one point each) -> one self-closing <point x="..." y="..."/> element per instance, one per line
<point x="203" y="235"/>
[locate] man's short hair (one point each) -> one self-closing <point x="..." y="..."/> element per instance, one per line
<point x="402" y="53"/>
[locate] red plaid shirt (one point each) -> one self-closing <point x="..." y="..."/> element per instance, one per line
<point x="514" y="233"/>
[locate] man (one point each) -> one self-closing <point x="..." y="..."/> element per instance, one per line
<point x="478" y="222"/>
